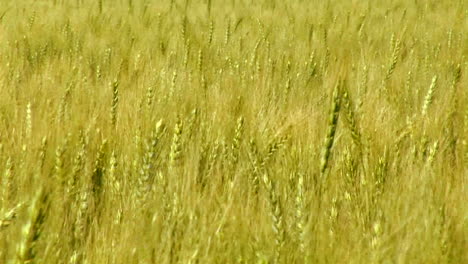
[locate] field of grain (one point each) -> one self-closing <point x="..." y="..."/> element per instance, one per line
<point x="209" y="131"/>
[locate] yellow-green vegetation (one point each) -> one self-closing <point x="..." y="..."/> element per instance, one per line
<point x="209" y="131"/>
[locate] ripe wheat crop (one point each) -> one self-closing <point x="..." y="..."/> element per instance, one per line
<point x="209" y="131"/>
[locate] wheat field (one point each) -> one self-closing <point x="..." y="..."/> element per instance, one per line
<point x="208" y="131"/>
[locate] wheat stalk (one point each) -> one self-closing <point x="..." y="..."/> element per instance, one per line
<point x="32" y="230"/>
<point x="236" y="142"/>
<point x="29" y="127"/>
<point x="176" y="146"/>
<point x="7" y="217"/>
<point x="331" y="130"/>
<point x="429" y="96"/>
<point x="7" y="183"/>
<point x="145" y="179"/>
<point x="300" y="213"/>
<point x="115" y="100"/>
<point x="97" y="177"/>
<point x="276" y="216"/>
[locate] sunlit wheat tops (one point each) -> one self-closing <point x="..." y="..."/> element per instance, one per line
<point x="178" y="131"/>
